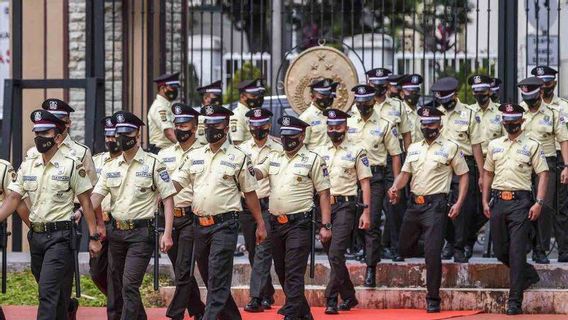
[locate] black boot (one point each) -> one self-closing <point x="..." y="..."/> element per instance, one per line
<point x="255" y="305"/>
<point x="540" y="257"/>
<point x="459" y="257"/>
<point x="433" y="307"/>
<point x="267" y="303"/>
<point x="468" y="251"/>
<point x="514" y="310"/>
<point x="348" y="303"/>
<point x="331" y="306"/>
<point x="370" y="277"/>
<point x="72" y="309"/>
<point x="448" y="251"/>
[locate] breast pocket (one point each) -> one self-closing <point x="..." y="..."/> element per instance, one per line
<point x="346" y="169"/>
<point x="227" y="177"/>
<point x="544" y="129"/>
<point x="273" y="170"/>
<point x="144" y="187"/>
<point x="61" y="191"/>
<point x="114" y="182"/>
<point x="439" y="163"/>
<point x="522" y="163"/>
<point x="30" y="186"/>
<point x="300" y="176"/>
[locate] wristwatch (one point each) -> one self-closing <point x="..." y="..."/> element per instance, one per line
<point x="327" y="226"/>
<point x="95" y="237"/>
<point x="540" y="201"/>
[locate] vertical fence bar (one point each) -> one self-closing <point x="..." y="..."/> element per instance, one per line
<point x="558" y="48"/>
<point x="191" y="27"/>
<point x="488" y="36"/>
<point x="242" y="40"/>
<point x="172" y="33"/>
<point x="343" y="18"/>
<point x="131" y="45"/>
<point x="383" y="32"/>
<point x="321" y="19"/>
<point x="467" y="62"/>
<point x="262" y="19"/>
<point x="222" y="31"/>
<point x="142" y="57"/>
<point x="444" y="39"/>
<point x="201" y="64"/>
<point x="352" y="8"/>
<point x="435" y="48"/>
<point x="403" y="22"/>
<point x="44" y="46"/>
<point x="251" y="28"/>
<point x="392" y="13"/>
<point x="373" y="35"/>
<point x="537" y="16"/>
<point x="455" y="30"/>
<point x="211" y="16"/>
<point x="231" y="71"/>
<point x="477" y="36"/>
<point x="185" y="63"/>
<point x="527" y="37"/>
<point x="424" y="32"/>
<point x="331" y="6"/>
<point x="414" y="37"/>
<point x="547" y="4"/>
<point x="362" y="34"/>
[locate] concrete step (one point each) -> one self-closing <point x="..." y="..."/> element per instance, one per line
<point x="552" y="301"/>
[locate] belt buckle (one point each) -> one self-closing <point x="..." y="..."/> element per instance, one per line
<point x="206" y="221"/>
<point x="419" y="200"/>
<point x="179" y="212"/>
<point x="39" y="227"/>
<point x="332" y="200"/>
<point x="124" y="225"/>
<point x="507" y="195"/>
<point x="282" y="219"/>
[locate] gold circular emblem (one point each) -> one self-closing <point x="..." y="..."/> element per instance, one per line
<point x="320" y="62"/>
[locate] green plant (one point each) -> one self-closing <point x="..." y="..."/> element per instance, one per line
<point x="246" y="72"/>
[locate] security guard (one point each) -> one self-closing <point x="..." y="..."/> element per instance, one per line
<point x="186" y="295"/>
<point x="348" y="166"/>
<point x="395" y="89"/>
<point x="294" y="174"/>
<point x="134" y="181"/>
<point x="509" y="165"/>
<point x="218" y="173"/>
<point x="495" y="89"/>
<point x="260" y="257"/>
<point x="488" y="119"/>
<point x="410" y="85"/>
<point x="322" y="98"/>
<point x="548" y="75"/>
<point x="378" y="136"/>
<point x="430" y="163"/>
<point x="543" y="123"/>
<point x="251" y="96"/>
<point x="160" y="118"/>
<point x="51" y="180"/>
<point x="211" y="95"/>
<point x="7" y="174"/>
<point x="460" y="126"/>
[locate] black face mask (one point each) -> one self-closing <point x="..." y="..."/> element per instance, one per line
<point x="213" y="134"/>
<point x="324" y="103"/>
<point x="112" y="146"/>
<point x="532" y="102"/>
<point x="494" y="98"/>
<point x="290" y="143"/>
<point x="336" y="136"/>
<point x="172" y="94"/>
<point x="365" y="110"/>
<point x="512" y="128"/>
<point x="380" y="91"/>
<point x="44" y="144"/>
<point x="430" y="133"/>
<point x="126" y="142"/>
<point x="183" y="135"/>
<point x="548" y="91"/>
<point x="215" y="101"/>
<point x="481" y="99"/>
<point x="259" y="134"/>
<point x="449" y="105"/>
<point x="412" y="98"/>
<point x="255" y="102"/>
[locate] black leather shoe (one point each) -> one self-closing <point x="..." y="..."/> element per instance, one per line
<point x="198" y="316"/>
<point x="514" y="310"/>
<point x="448" y="251"/>
<point x="540" y="258"/>
<point x="267" y="303"/>
<point x="255" y="305"/>
<point x="468" y="251"/>
<point x="347" y="304"/>
<point x="331" y="307"/>
<point x="386" y="254"/>
<point x="563" y="258"/>
<point x="397" y="258"/>
<point x="433" y="307"/>
<point x="370" y="277"/>
<point x="459" y="257"/>
<point x="72" y="309"/>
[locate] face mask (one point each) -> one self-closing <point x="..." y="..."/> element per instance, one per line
<point x="172" y="94"/>
<point x="336" y="136"/>
<point x="215" y="101"/>
<point x="255" y="102"/>
<point x="259" y="134"/>
<point x="449" y="105"/>
<point x="481" y="99"/>
<point x="512" y="128"/>
<point x="44" y="144"/>
<point x="289" y="143"/>
<point x="548" y="91"/>
<point x="531" y="102"/>
<point x="495" y="98"/>
<point x="324" y="103"/>
<point x="183" y="135"/>
<point x="126" y="142"/>
<point x="213" y="134"/>
<point x="430" y="133"/>
<point x="112" y="146"/>
<point x="380" y="91"/>
<point x="365" y="110"/>
<point x="412" y="98"/>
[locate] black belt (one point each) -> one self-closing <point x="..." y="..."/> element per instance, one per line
<point x="132" y="224"/>
<point x="44" y="227"/>
<point x="342" y="199"/>
<point x="377" y="169"/>
<point x="512" y="195"/>
<point x="182" y="212"/>
<point x="289" y="218"/>
<point x="422" y="200"/>
<point x="206" y="221"/>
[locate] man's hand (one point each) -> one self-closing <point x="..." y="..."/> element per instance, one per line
<point x="454" y="211"/>
<point x="534" y="212"/>
<point x="365" y="220"/>
<point x="564" y="176"/>
<point x="260" y="232"/>
<point x="77" y="215"/>
<point x="166" y="242"/>
<point x="393" y="195"/>
<point x="325" y="235"/>
<point x="95" y="248"/>
<point x="486" y="210"/>
<point x="101" y="229"/>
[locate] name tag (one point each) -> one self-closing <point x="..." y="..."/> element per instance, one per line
<point x="376" y="132"/>
<point x="274" y="164"/>
<point x="326" y="158"/>
<point x="143" y="174"/>
<point x="196" y="162"/>
<point x="60" y="178"/>
<point x="227" y="164"/>
<point x="545" y="122"/>
<point x="412" y="153"/>
<point x="524" y="152"/>
<point x="352" y="130"/>
<point x="30" y="178"/>
<point x="498" y="150"/>
<point x="315" y="122"/>
<point x="348" y="157"/>
<point x="461" y="122"/>
<point x="170" y="159"/>
<point x="99" y="171"/>
<point x="394" y="113"/>
<point x="113" y="175"/>
<point x="302" y="165"/>
<point x="442" y="153"/>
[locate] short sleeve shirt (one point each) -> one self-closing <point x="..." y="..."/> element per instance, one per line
<point x="173" y="157"/>
<point x="316" y="133"/>
<point x="100" y="160"/>
<point x="257" y="154"/>
<point x="414" y="122"/>
<point x="239" y="124"/>
<point x="544" y="126"/>
<point x="489" y="122"/>
<point x="160" y="118"/>
<point x="459" y="126"/>
<point x="561" y="105"/>
<point x="7" y="175"/>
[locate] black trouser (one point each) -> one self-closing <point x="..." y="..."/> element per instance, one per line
<point x="187" y="294"/>
<point x="52" y="267"/>
<point x="428" y="219"/>
<point x="510" y="228"/>
<point x="393" y="213"/>
<point x="342" y="217"/>
<point x="373" y="235"/>
<point x="458" y="232"/>
<point x="260" y="257"/>
<point x="214" y="248"/>
<point x="561" y="216"/>
<point x="548" y="218"/>
<point x="98" y="266"/>
<point x="129" y="255"/>
<point x="290" y="249"/>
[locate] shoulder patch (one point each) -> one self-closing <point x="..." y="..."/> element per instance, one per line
<point x="165" y="176"/>
<point x="82" y="173"/>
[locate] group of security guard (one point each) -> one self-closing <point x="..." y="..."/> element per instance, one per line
<point x="214" y="172"/>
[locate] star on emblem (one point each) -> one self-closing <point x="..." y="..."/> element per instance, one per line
<point x="509" y="108"/>
<point x="177" y="110"/>
<point x="53" y="105"/>
<point x="37" y="116"/>
<point x="257" y="113"/>
<point x="286" y="121"/>
<point x="332" y="114"/>
<point x="120" y="118"/>
<point x="209" y="110"/>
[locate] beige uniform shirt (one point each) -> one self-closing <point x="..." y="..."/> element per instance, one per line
<point x="544" y="126"/>
<point x="392" y="110"/>
<point x="78" y="151"/>
<point x="561" y="105"/>
<point x="51" y="187"/>
<point x="293" y="180"/>
<point x="489" y="123"/>
<point x="173" y="157"/>
<point x="134" y="187"/>
<point x="432" y="166"/>
<point x="239" y="124"/>
<point x="160" y="118"/>
<point x="414" y="122"/>
<point x="200" y="134"/>
<point x="257" y="154"/>
<point x="513" y="162"/>
<point x="316" y="133"/>
<point x="376" y="135"/>
<point x="7" y="175"/>
<point x="347" y="164"/>
<point x="459" y="126"/>
<point x="217" y="178"/>
<point x="100" y="160"/>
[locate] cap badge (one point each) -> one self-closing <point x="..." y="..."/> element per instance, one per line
<point x="177" y="110"/>
<point x="438" y="95"/>
<point x="426" y="112"/>
<point x="540" y="71"/>
<point x="285" y="121"/>
<point x="37" y="116"/>
<point x="415" y="79"/>
<point x="525" y="88"/>
<point x="361" y="90"/>
<point x="477" y="79"/>
<point x="509" y="108"/>
<point x="332" y="114"/>
<point x="108" y="122"/>
<point x="52" y="105"/>
<point x="209" y="110"/>
<point x="257" y="113"/>
<point x="120" y="118"/>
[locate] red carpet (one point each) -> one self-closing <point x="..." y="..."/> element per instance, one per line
<point x="29" y="313"/>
